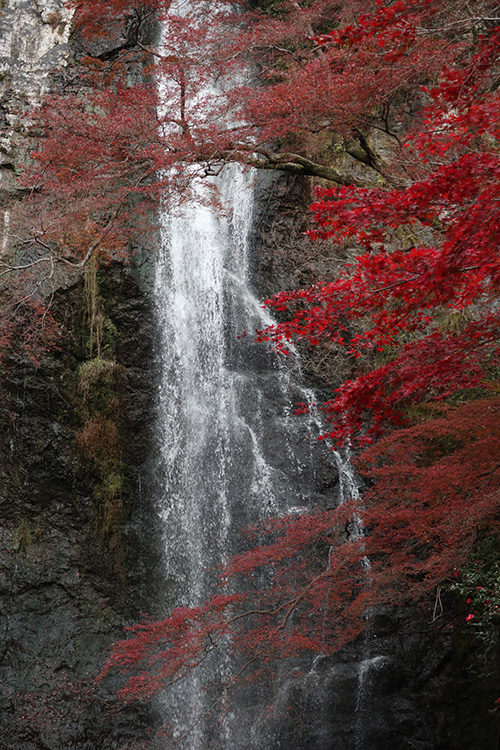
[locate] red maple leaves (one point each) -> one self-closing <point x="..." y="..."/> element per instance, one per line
<point x="415" y="84"/>
<point x="435" y="489"/>
<point x="406" y="292"/>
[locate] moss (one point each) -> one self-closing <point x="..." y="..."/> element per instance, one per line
<point x="98" y="442"/>
<point x="96" y="408"/>
<point x="93" y="309"/>
<point x="111" y="487"/>
<point x="101" y="333"/>
<point x="110" y="518"/>
<point x="97" y="375"/>
<point x="454" y="321"/>
<point x="110" y="338"/>
<point x="112" y="512"/>
<point x="22" y="536"/>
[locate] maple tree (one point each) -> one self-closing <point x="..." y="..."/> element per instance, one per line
<point x="430" y="252"/>
<point x="421" y="292"/>
<point x="436" y="488"/>
<point x="307" y="84"/>
<point x="397" y="105"/>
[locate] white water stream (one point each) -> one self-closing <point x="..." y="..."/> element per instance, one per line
<point x="231" y="450"/>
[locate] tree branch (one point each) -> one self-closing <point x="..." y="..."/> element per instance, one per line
<point x="296" y="164"/>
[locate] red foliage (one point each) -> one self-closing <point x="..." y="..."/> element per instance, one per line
<point x="451" y="217"/>
<point x="436" y="490"/>
<point x="27" y="324"/>
<point x="312" y="84"/>
<point x="318" y="77"/>
<point x="427" y="234"/>
<point x="434" y="486"/>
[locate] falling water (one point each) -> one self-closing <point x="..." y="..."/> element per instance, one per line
<point x="232" y="451"/>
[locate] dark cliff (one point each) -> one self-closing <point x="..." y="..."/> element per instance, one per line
<point x="76" y="532"/>
<point x="76" y="522"/>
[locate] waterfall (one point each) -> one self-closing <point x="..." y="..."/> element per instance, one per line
<point x="232" y="452"/>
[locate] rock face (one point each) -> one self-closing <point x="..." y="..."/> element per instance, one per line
<point x="33" y="41"/>
<point x="73" y="553"/>
<point x="71" y="573"/>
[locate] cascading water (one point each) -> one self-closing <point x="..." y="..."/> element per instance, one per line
<point x="231" y="450"/>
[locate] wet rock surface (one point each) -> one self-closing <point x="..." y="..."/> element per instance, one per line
<point x="68" y="585"/>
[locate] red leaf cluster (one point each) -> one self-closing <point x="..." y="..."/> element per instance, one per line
<point x="435" y="491"/>
<point x="400" y="292"/>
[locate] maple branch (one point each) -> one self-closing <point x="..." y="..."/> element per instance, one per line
<point x="54" y="258"/>
<point x="153" y="53"/>
<point x="489" y="473"/>
<point x="301" y="165"/>
<point x="9" y="269"/>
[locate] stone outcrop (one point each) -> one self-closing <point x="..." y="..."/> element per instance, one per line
<point x="34" y="40"/>
<point x="76" y="531"/>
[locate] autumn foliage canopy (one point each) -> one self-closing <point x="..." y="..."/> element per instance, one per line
<point x="393" y="108"/>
